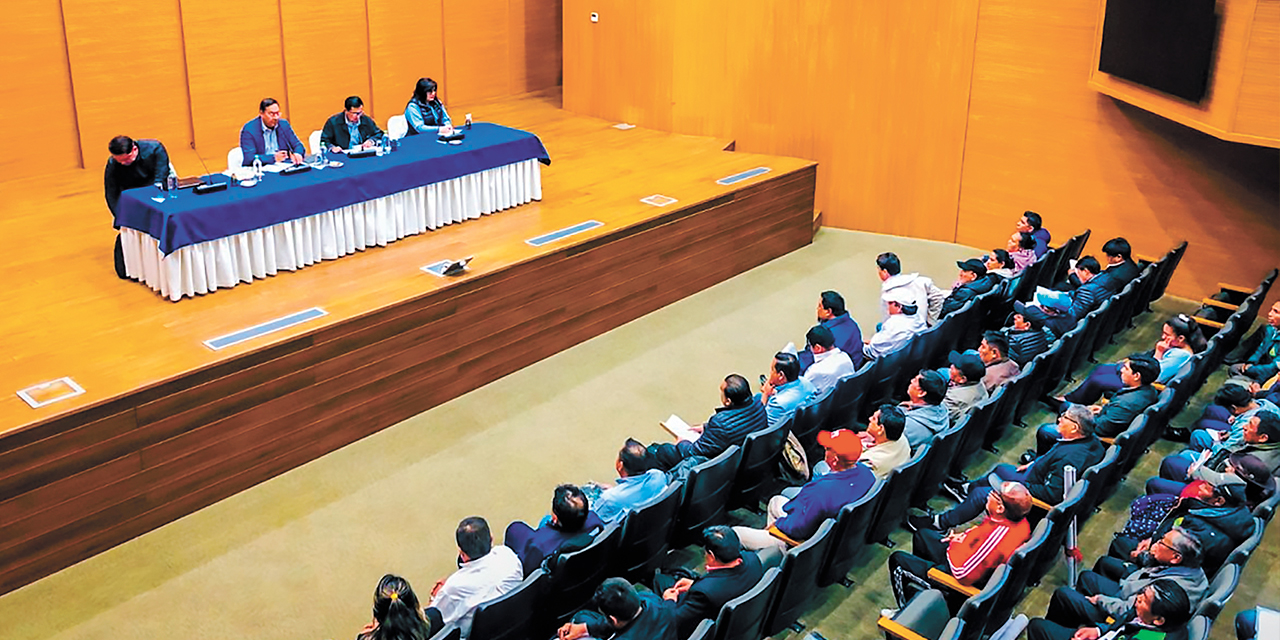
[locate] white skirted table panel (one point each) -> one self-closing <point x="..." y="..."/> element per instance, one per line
<point x="288" y="246"/>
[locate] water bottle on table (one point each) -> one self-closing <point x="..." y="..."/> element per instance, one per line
<point x="173" y="186"/>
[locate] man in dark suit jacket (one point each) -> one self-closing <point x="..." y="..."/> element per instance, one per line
<point x="1161" y="610"/>
<point x="972" y="282"/>
<point x="571" y="521"/>
<point x="1120" y="266"/>
<point x="269" y="137"/>
<point x="350" y="129"/>
<point x="1137" y="372"/>
<point x="133" y="164"/>
<point x="730" y="573"/>
<point x="833" y="315"/>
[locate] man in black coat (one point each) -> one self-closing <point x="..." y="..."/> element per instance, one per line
<point x="738" y="417"/>
<point x="1027" y="337"/>
<point x="730" y="573"/>
<point x="1160" y="612"/>
<point x="133" y="164"/>
<point x="1121" y="269"/>
<point x="1137" y="373"/>
<point x="350" y="129"/>
<point x="1217" y="517"/>
<point x="972" y="282"/>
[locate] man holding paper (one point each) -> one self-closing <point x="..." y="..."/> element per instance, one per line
<point x="350" y="129"/>
<point x="736" y="418"/>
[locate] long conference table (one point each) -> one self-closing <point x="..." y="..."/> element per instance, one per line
<point x="198" y="243"/>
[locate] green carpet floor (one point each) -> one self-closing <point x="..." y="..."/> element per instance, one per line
<point x="298" y="557"/>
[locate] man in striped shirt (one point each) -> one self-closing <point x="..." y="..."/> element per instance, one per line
<point x="970" y="555"/>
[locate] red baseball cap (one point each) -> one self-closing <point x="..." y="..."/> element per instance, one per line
<point x="846" y="444"/>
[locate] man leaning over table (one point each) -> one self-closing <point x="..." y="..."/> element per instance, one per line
<point x="133" y="164"/>
<point x="350" y="129"/>
<point x="269" y="137"/>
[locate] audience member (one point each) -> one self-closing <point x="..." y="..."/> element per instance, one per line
<point x="830" y="364"/>
<point x="1263" y="349"/>
<point x="1137" y="373"/>
<point x="1032" y="223"/>
<point x="793" y="519"/>
<point x="1180" y="338"/>
<point x="269" y="138"/>
<point x="570" y="527"/>
<point x="964" y="384"/>
<point x="1261" y="440"/>
<point x="999" y="264"/>
<point x="1092" y="290"/>
<point x="1044" y="477"/>
<point x="971" y="282"/>
<point x="901" y="325"/>
<point x="784" y="390"/>
<point x="638" y="482"/>
<point x="885" y="448"/>
<point x="730" y="573"/>
<point x="1235" y="405"/>
<point x="396" y="612"/>
<point x="1051" y="312"/>
<point x="1216" y="516"/>
<point x="994" y="351"/>
<point x="618" y="612"/>
<point x="1160" y="612"/>
<point x="970" y="555"/>
<point x="913" y="290"/>
<point x="133" y="164"/>
<point x="350" y="129"/>
<point x="833" y="315"/>
<point x="1027" y="336"/>
<point x="1121" y="269"/>
<point x="1022" y="248"/>
<point x="484" y="573"/>
<point x="926" y="417"/>
<point x="738" y="417"/>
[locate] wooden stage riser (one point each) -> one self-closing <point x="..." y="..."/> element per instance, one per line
<point x="80" y="484"/>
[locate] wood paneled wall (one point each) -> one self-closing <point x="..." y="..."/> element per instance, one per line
<point x="191" y="72"/>
<point x="938" y="120"/>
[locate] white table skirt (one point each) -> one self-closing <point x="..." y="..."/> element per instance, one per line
<point x="292" y="245"/>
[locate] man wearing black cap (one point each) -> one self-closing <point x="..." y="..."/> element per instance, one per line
<point x="964" y="385"/>
<point x="1027" y="337"/>
<point x="971" y="283"/>
<point x="926" y="417"/>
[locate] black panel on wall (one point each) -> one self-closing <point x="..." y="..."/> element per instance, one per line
<point x="1164" y="44"/>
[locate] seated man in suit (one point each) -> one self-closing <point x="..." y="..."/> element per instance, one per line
<point x="1111" y="588"/>
<point x="791" y="520"/>
<point x="784" y="391"/>
<point x="971" y="282"/>
<point x="925" y="414"/>
<point x="1111" y="418"/>
<point x="1121" y="269"/>
<point x="350" y="129"/>
<point x="638" y="482"/>
<point x="964" y="384"/>
<point x="730" y="573"/>
<point x="738" y="417"/>
<point x="1027" y="337"/>
<point x="572" y="523"/>
<point x="1044" y="478"/>
<point x="133" y="164"/>
<point x="994" y="351"/>
<point x="270" y="138"/>
<point x="484" y="573"/>
<point x="968" y="556"/>
<point x="618" y="612"/>
<point x="1160" y="612"/>
<point x="830" y="363"/>
<point x="848" y="335"/>
<point x="1032" y="223"/>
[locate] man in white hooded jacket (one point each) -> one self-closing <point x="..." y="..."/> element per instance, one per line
<point x="924" y="295"/>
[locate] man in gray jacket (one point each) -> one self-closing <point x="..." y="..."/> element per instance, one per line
<point x="926" y="417"/>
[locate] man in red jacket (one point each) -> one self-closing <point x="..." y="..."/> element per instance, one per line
<point x="969" y="556"/>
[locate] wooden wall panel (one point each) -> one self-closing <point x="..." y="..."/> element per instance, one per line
<point x="33" y="53"/>
<point x="406" y="42"/>
<point x="476" y="40"/>
<point x="1040" y="138"/>
<point x="234" y="60"/>
<point x="533" y="44"/>
<point x="129" y="73"/>
<point x="326" y="58"/>
<point x="1258" y="110"/>
<point x="875" y="92"/>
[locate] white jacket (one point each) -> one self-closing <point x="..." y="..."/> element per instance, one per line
<point x="928" y="296"/>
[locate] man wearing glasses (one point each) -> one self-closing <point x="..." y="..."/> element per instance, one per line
<point x="351" y="129"/>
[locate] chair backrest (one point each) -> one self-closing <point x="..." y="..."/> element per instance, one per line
<point x="646" y="534"/>
<point x="1060" y="367"/>
<point x="1220" y="591"/>
<point x="744" y="616"/>
<point x="849" y="536"/>
<point x="1168" y="266"/>
<point x="888" y="370"/>
<point x="1130" y="442"/>
<point x="575" y="576"/>
<point x="809" y="420"/>
<point x="1267" y="508"/>
<point x="1198" y="628"/>
<point x="1241" y="554"/>
<point x="941" y="451"/>
<point x="897" y="499"/>
<point x="1092" y="324"/>
<point x="798" y="579"/>
<point x="760" y="453"/>
<point x="1040" y="382"/>
<point x="1106" y="472"/>
<point x="1059" y="518"/>
<point x="703" y="631"/>
<point x="975" y="432"/>
<point x="1019" y="571"/>
<point x="314" y="141"/>
<point x="846" y="399"/>
<point x="706" y="494"/>
<point x="397" y="126"/>
<point x="235" y="158"/>
<point x="450" y="631"/>
<point x="515" y="614"/>
<point x="975" y="611"/>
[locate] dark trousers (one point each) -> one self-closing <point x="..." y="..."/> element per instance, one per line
<point x="1041" y="629"/>
<point x="120" y="272"/>
<point x="909" y="572"/>
<point x="435" y="621"/>
<point x="1104" y="379"/>
<point x="1072" y="609"/>
<point x="976" y="503"/>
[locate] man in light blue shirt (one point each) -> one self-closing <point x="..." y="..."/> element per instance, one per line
<point x="784" y="391"/>
<point x="637" y="483"/>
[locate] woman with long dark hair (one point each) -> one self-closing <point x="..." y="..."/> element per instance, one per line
<point x="1180" y="338"/>
<point x="397" y="615"/>
<point x="425" y="113"/>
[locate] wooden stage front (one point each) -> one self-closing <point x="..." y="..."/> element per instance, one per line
<point x="167" y="426"/>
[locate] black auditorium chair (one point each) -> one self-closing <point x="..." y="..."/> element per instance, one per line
<point x="849" y="537"/>
<point x="449" y="632"/>
<point x="646" y="535"/>
<point x="975" y="433"/>
<point x="706" y="494"/>
<point x="1060" y="518"/>
<point x="704" y="630"/>
<point x="798" y="581"/>
<point x="846" y="399"/>
<point x="1106" y="472"/>
<point x="1241" y="554"/>
<point x="1198" y="628"/>
<point x="743" y="617"/>
<point x="574" y="576"/>
<point x="1267" y="508"/>
<point x="897" y="498"/>
<point x="809" y="420"/>
<point x="514" y="615"/>
<point x="941" y="451"/>
<point x="756" y="472"/>
<point x="1221" y="589"/>
<point x="924" y="617"/>
<point x="887" y="370"/>
<point x="976" y="611"/>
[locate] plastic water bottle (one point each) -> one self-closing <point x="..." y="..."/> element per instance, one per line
<point x="257" y="168"/>
<point x="173" y="186"/>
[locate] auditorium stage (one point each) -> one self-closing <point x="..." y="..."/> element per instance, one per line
<point x="166" y="425"/>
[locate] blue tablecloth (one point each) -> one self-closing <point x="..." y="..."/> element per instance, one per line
<point x="420" y="160"/>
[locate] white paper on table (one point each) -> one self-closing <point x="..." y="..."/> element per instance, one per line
<point x="680" y="429"/>
<point x="276" y="167"/>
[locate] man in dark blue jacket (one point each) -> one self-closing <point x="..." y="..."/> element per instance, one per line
<point x="833" y="315"/>
<point x="350" y="129"/>
<point x="1121" y="269"/>
<point x="269" y="137"/>
<point x="972" y="282"/>
<point x="739" y="417"/>
<point x="618" y="612"/>
<point x="1027" y="337"/>
<point x="1137" y="372"/>
<point x="1092" y="290"/>
<point x="571" y="519"/>
<point x="730" y="573"/>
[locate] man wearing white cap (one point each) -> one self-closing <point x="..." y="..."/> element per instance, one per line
<point x="903" y="323"/>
